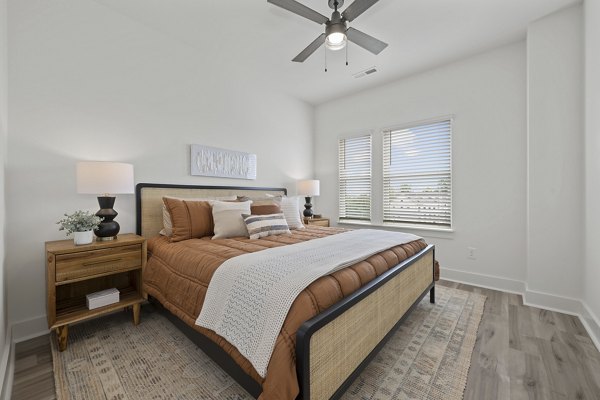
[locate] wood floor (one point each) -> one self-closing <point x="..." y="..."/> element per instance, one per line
<point x="34" y="377"/>
<point x="521" y="353"/>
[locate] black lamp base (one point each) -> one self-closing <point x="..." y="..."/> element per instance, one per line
<point x="308" y="212"/>
<point x="108" y="229"/>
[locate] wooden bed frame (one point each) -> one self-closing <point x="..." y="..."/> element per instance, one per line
<point x="333" y="347"/>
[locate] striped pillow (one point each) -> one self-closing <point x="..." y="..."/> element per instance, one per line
<point x="265" y="225"/>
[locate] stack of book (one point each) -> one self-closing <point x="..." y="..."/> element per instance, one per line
<point x="102" y="298"/>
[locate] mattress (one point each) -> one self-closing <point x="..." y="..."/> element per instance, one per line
<point x="178" y="274"/>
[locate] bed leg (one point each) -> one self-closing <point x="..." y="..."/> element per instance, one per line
<point x="432" y="295"/>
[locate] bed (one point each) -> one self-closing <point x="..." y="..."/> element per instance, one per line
<point x="334" y="327"/>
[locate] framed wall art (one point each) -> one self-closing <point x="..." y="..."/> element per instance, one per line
<point x="212" y="161"/>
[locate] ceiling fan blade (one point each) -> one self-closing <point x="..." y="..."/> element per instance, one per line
<point x="365" y="41"/>
<point x="307" y="52"/>
<point x="300" y="9"/>
<point x="357" y="8"/>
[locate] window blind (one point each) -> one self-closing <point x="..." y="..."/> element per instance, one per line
<point x="417" y="175"/>
<point x="354" y="164"/>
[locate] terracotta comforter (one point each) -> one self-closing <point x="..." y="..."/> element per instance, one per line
<point x="178" y="274"/>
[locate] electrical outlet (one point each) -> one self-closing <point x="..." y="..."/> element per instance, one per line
<point x="471" y="253"/>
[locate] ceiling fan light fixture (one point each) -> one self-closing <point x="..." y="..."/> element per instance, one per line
<point x="337" y="34"/>
<point x="336" y="41"/>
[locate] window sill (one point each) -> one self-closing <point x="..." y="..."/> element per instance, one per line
<point x="442" y="233"/>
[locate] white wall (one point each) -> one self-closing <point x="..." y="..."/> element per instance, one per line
<point x="487" y="96"/>
<point x="555" y="154"/>
<point x="87" y="83"/>
<point x="591" y="273"/>
<point x="4" y="338"/>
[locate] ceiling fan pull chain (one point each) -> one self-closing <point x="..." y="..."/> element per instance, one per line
<point x="347" y="45"/>
<point x="325" y="48"/>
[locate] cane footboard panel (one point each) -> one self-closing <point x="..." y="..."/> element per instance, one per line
<point x="337" y="348"/>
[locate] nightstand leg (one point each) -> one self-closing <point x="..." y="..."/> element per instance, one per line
<point x="136" y="313"/>
<point x="62" y="332"/>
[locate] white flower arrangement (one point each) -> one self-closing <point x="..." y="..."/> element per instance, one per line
<point x="79" y="221"/>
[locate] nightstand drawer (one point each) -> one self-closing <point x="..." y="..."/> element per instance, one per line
<point x="317" y="221"/>
<point x="320" y="222"/>
<point x="96" y="262"/>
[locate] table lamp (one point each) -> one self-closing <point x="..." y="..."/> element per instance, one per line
<point x="308" y="188"/>
<point x="107" y="179"/>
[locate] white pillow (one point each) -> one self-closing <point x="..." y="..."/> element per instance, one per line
<point x="228" y="219"/>
<point x="291" y="211"/>
<point x="167" y="229"/>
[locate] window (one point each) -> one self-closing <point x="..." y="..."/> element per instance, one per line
<point x="417" y="175"/>
<point x="355" y="178"/>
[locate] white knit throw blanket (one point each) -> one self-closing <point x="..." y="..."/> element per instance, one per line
<point x="249" y="296"/>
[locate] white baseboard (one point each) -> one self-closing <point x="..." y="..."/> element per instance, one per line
<point x="29" y="328"/>
<point x="10" y="375"/>
<point x="7" y="366"/>
<point x="547" y="301"/>
<point x="17" y="332"/>
<point x="482" y="280"/>
<point x="591" y="322"/>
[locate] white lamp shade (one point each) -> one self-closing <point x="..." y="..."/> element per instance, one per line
<point x="99" y="177"/>
<point x="308" y="187"/>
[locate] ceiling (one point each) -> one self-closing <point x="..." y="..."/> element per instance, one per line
<point x="257" y="40"/>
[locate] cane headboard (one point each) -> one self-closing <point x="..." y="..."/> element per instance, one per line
<point x="148" y="200"/>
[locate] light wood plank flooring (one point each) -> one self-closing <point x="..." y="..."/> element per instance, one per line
<point x="34" y="377"/>
<point x="521" y="353"/>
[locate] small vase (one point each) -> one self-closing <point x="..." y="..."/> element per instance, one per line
<point x="81" y="238"/>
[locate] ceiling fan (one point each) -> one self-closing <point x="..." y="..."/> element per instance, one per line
<point x="337" y="32"/>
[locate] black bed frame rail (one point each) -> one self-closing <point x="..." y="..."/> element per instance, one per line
<point x="211" y="349"/>
<point x="310" y="327"/>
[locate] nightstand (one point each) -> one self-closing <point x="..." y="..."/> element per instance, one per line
<point x="72" y="272"/>
<point x="316" y="221"/>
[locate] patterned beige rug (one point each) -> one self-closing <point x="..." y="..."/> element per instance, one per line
<point x="109" y="358"/>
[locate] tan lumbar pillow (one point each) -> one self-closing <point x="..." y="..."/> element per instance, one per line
<point x="265" y="209"/>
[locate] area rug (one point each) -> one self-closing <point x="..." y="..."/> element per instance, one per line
<point x="109" y="358"/>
